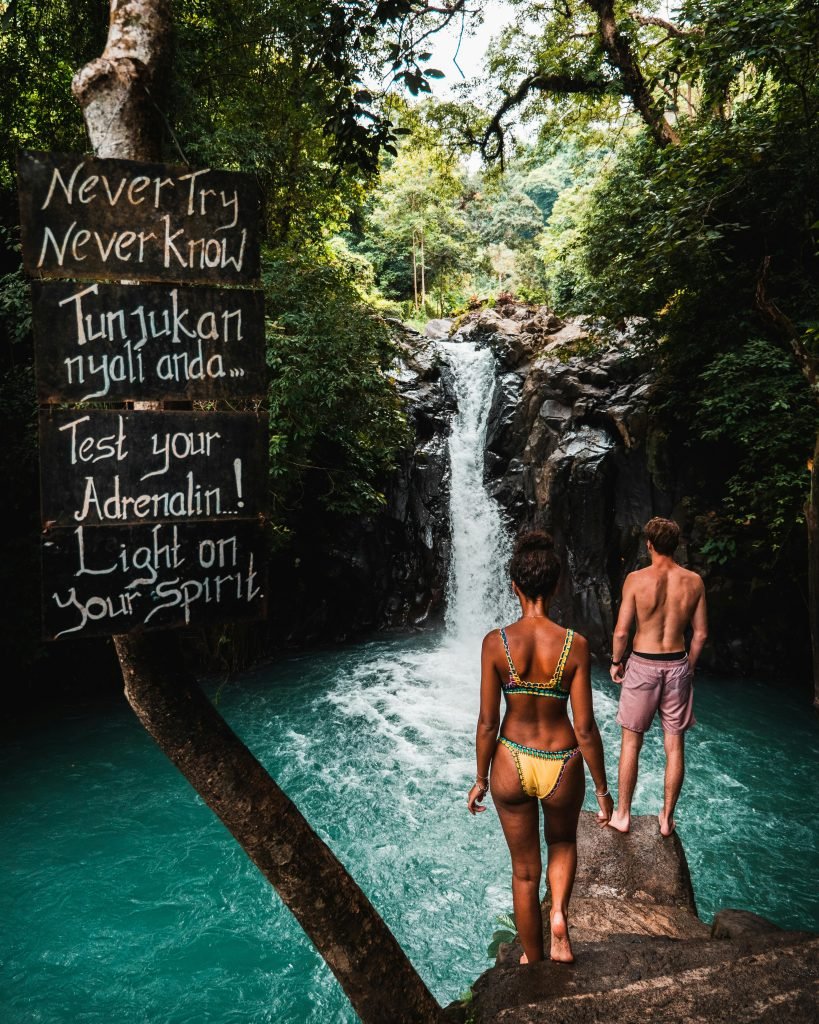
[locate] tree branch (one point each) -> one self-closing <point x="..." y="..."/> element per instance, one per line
<point x="785" y="328"/>
<point x="619" y="55"/>
<point x="555" y="83"/>
<point x="618" y="50"/>
<point x="669" y="26"/>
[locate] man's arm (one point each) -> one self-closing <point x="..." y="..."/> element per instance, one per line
<point x="699" y="623"/>
<point x="622" y="630"/>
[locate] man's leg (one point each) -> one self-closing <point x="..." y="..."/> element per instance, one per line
<point x="626" y="779"/>
<point x="674" y="775"/>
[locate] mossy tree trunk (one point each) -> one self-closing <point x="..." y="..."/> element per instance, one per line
<point x="117" y="93"/>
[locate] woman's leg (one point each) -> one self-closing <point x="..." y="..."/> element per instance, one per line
<point x="560" y="813"/>
<point x="519" y="818"/>
<point x="521" y="826"/>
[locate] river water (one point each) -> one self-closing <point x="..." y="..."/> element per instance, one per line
<point x="124" y="900"/>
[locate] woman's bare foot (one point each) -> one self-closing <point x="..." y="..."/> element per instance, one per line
<point x="667" y="824"/>
<point x="561" y="950"/>
<point x="620" y="822"/>
<point x="524" y="959"/>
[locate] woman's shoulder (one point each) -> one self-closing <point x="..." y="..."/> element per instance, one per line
<point x="579" y="642"/>
<point x="492" y="638"/>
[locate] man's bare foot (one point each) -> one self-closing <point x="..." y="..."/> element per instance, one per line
<point x="667" y="825"/>
<point x="620" y="822"/>
<point x="561" y="950"/>
<point x="524" y="959"/>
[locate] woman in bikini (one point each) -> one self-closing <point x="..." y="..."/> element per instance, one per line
<point x="538" y="757"/>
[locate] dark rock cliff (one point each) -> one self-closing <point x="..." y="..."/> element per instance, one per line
<point x="575" y="446"/>
<point x="415" y="523"/>
<point x="570" y="448"/>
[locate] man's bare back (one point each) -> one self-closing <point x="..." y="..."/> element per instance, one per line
<point x="665" y="599"/>
<point x="662" y="600"/>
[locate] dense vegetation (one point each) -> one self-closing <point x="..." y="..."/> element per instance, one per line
<point x="672" y="186"/>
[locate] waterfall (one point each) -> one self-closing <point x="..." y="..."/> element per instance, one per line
<point x="479" y="594"/>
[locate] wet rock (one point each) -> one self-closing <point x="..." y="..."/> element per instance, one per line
<point x="437" y="330"/>
<point x="505" y="421"/>
<point x="735" y="924"/>
<point x="642" y="954"/>
<point x="555" y="413"/>
<point x="570" y="448"/>
<point x="413" y="561"/>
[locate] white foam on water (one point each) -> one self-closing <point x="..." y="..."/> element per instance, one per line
<point x="415" y="708"/>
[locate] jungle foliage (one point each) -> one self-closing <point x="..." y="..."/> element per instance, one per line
<point x="672" y="186"/>
<point x="698" y="229"/>
<point x="275" y="89"/>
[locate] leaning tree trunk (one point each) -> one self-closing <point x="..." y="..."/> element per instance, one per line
<point x="117" y="94"/>
<point x="360" y="950"/>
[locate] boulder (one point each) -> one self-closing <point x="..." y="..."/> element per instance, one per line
<point x="437" y="330"/>
<point x="642" y="954"/>
<point x="735" y="924"/>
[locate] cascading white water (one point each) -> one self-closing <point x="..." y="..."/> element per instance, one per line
<point x="479" y="596"/>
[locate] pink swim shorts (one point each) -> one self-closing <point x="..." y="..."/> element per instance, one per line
<point x="650" y="685"/>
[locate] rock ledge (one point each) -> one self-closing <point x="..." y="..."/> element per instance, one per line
<point x="644" y="955"/>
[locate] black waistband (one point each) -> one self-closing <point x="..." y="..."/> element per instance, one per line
<point x="673" y="656"/>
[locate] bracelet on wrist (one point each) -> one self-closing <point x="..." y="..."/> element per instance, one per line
<point x="602" y="796"/>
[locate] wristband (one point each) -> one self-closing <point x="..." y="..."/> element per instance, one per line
<point x="620" y="662"/>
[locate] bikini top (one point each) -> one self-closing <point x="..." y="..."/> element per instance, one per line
<point x="550" y="689"/>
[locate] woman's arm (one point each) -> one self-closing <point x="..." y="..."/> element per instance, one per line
<point x="585" y="727"/>
<point x="486" y="735"/>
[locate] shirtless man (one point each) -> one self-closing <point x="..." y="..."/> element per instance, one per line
<point x="664" y="598"/>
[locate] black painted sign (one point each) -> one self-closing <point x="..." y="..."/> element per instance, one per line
<point x="100" y="467"/>
<point x="99" y="580"/>
<point x="87" y="218"/>
<point x="104" y="342"/>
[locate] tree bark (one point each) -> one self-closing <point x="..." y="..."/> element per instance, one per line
<point x="116" y="93"/>
<point x="116" y="90"/>
<point x="414" y="274"/>
<point x="358" y="947"/>
<point x="618" y="50"/>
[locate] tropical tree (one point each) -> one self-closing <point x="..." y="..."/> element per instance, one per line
<point x="416" y="233"/>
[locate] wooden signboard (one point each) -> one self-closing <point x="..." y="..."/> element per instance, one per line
<point x="106" y="342"/>
<point x="100" y="467"/>
<point x="152" y="519"/>
<point x="97" y="219"/>
<point x="99" y="580"/>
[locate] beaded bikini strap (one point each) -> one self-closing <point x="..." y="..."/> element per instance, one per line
<point x="564" y="657"/>
<point x="513" y="672"/>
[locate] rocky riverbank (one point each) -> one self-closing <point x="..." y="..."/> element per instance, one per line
<point x="643" y="954"/>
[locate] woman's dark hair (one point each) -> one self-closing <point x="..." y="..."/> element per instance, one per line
<point x="534" y="566"/>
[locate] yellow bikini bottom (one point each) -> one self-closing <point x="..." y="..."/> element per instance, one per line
<point x="539" y="771"/>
